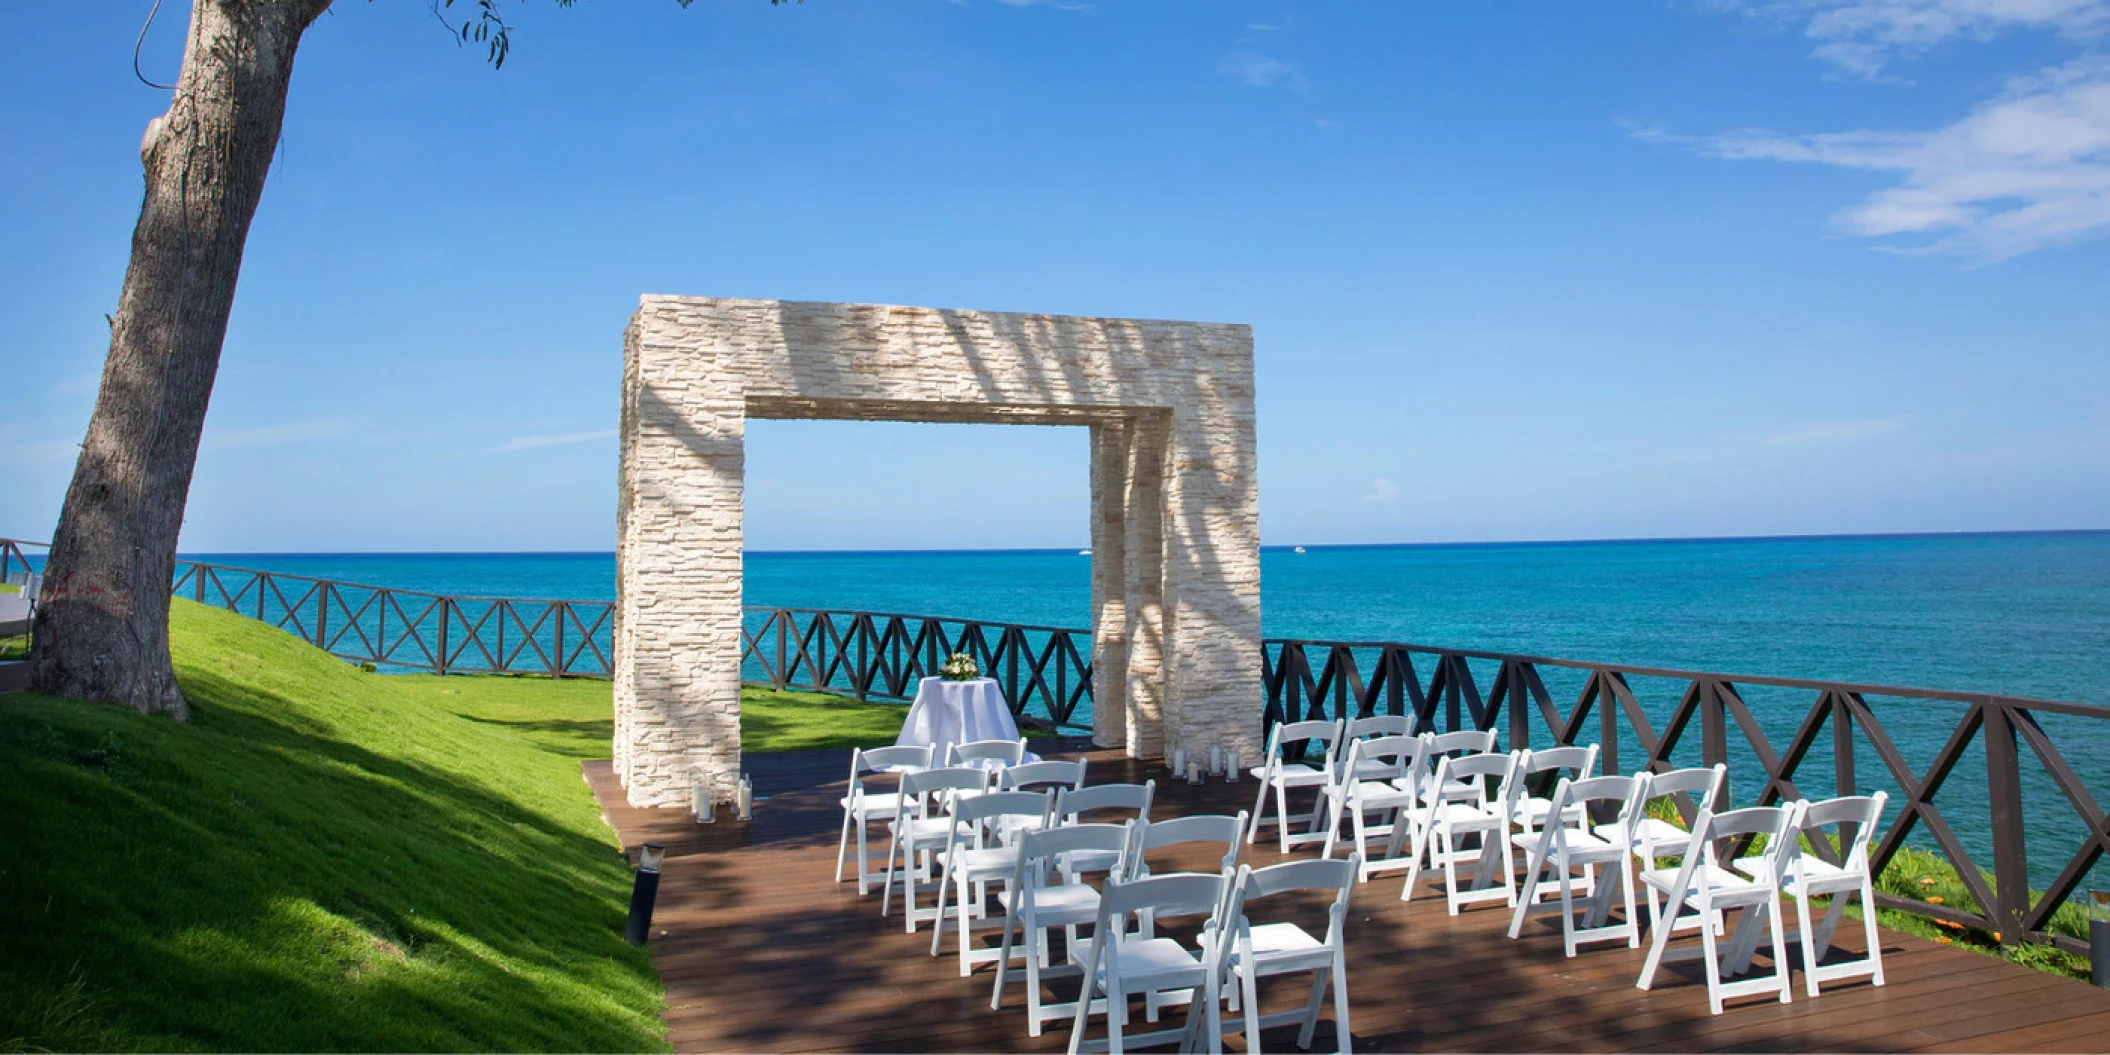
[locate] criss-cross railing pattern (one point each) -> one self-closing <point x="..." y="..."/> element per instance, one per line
<point x="1834" y="727"/>
<point x="1044" y="671"/>
<point x="406" y="628"/>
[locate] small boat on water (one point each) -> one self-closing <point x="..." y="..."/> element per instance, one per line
<point x="1299" y="549"/>
<point x="1086" y="552"/>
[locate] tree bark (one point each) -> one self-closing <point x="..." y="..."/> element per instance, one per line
<point x="102" y="622"/>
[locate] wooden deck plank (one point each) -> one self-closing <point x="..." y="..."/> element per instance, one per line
<point x="760" y="949"/>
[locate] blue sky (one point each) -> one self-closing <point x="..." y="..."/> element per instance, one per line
<point x="1593" y="269"/>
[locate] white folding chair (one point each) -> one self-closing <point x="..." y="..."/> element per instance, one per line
<point x="1442" y="824"/>
<point x="1809" y="876"/>
<point x="1529" y="811"/>
<point x="1379" y="725"/>
<point x="1265" y="950"/>
<point x="972" y="863"/>
<point x="920" y="830"/>
<point x="1385" y="761"/>
<point x="987" y="754"/>
<point x="1572" y="844"/>
<point x="1277" y="774"/>
<point x="1653" y="837"/>
<point x="1042" y="897"/>
<point x="1071" y="805"/>
<point x="862" y="804"/>
<point x="1120" y="962"/>
<point x="1707" y="882"/>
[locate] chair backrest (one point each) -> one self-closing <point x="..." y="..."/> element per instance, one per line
<point x="1462" y="742"/>
<point x="1631" y="793"/>
<point x="1009" y="752"/>
<point x="1861" y="812"/>
<point x="1774" y="823"/>
<point x="1703" y="784"/>
<point x="1066" y="774"/>
<point x="1326" y="733"/>
<point x="1476" y="769"/>
<point x="1179" y="894"/>
<point x="1037" y="850"/>
<point x="1074" y="802"/>
<point x="1212" y="829"/>
<point x="1581" y="762"/>
<point x="1394" y="752"/>
<point x="866" y="760"/>
<point x="1380" y="725"/>
<point x="1001" y="804"/>
<point x="917" y="788"/>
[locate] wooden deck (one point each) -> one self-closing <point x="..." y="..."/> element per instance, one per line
<point x="760" y="950"/>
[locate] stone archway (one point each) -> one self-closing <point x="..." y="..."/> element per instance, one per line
<point x="1175" y="528"/>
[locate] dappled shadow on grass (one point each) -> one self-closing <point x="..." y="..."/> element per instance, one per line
<point x="573" y="738"/>
<point x="250" y="881"/>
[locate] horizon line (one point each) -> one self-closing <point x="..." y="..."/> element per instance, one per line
<point x="1278" y="547"/>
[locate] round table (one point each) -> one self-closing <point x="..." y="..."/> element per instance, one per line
<point x="956" y="712"/>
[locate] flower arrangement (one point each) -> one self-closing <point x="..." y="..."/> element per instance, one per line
<point x="959" y="667"/>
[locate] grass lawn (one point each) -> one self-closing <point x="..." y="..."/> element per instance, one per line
<point x="320" y="859"/>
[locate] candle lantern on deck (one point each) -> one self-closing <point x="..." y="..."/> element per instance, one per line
<point x="2099" y="938"/>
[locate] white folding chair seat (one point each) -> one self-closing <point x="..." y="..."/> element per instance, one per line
<point x="1277" y="775"/>
<point x="1034" y="903"/>
<point x="1807" y="876"/>
<point x="1351" y="802"/>
<point x="1568" y="846"/>
<point x="1267" y="950"/>
<point x="920" y="830"/>
<point x="861" y="805"/>
<point x="1120" y="962"/>
<point x="971" y="864"/>
<point x="1441" y="828"/>
<point x="1705" y="884"/>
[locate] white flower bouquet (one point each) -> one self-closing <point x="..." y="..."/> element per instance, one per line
<point x="959" y="667"/>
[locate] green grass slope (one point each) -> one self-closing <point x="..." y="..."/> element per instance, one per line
<point x="320" y="859"/>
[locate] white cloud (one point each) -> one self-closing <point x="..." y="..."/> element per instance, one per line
<point x="288" y="432"/>
<point x="2021" y="172"/>
<point x="1262" y="27"/>
<point x="523" y="443"/>
<point x="1382" y="490"/>
<point x="1862" y="37"/>
<point x="1260" y="71"/>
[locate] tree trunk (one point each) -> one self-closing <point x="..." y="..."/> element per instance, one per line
<point x="102" y="623"/>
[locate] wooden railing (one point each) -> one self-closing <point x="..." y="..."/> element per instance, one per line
<point x="1837" y="727"/>
<point x="1044" y="671"/>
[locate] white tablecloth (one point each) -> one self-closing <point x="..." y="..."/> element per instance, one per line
<point x="957" y="712"/>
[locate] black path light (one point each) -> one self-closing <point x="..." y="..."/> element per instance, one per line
<point x="644" y="893"/>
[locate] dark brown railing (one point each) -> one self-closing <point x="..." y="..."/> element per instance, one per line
<point x="1043" y="670"/>
<point x="1840" y="737"/>
<point x="410" y="629"/>
<point x="1980" y="737"/>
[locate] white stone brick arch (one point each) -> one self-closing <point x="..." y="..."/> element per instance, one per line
<point x="1175" y="509"/>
